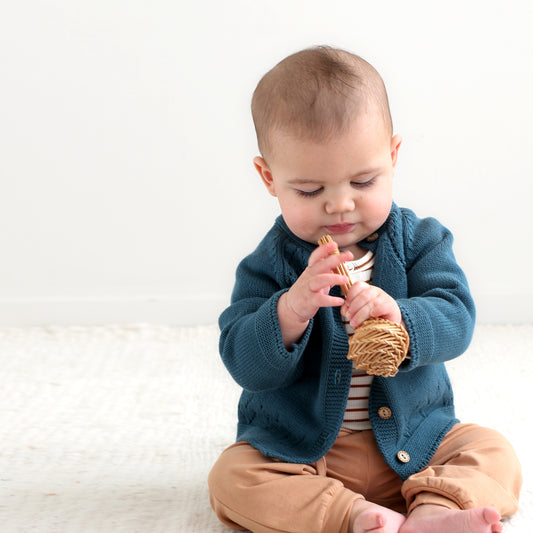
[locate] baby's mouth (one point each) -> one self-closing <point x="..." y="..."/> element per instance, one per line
<point x="337" y="229"/>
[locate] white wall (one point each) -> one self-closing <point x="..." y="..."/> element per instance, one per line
<point x="127" y="189"/>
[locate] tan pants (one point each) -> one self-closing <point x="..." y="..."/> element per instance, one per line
<point x="473" y="467"/>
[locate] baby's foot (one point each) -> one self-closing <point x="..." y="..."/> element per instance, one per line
<point x="438" y="519"/>
<point x="367" y="517"/>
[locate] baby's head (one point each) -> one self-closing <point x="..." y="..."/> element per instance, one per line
<point x="328" y="154"/>
<point x="316" y="94"/>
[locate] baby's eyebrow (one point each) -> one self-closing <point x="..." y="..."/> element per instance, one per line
<point x="309" y="181"/>
<point x="365" y="172"/>
<point x="303" y="181"/>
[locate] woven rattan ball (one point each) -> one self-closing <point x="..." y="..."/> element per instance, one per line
<point x="379" y="346"/>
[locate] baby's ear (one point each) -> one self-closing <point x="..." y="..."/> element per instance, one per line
<point x="394" y="147"/>
<point x="265" y="173"/>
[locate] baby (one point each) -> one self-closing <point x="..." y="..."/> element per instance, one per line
<point x="322" y="446"/>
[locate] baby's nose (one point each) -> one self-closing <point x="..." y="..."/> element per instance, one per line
<point x="341" y="203"/>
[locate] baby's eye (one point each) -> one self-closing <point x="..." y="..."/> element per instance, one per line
<point x="363" y="184"/>
<point x="309" y="194"/>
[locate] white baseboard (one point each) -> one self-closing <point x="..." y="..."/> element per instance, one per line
<point x="497" y="308"/>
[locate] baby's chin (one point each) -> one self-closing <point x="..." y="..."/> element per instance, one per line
<point x="345" y="241"/>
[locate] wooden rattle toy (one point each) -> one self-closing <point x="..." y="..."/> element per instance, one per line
<point x="378" y="345"/>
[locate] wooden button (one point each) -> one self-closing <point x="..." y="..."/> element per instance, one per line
<point x="384" y="412"/>
<point x="403" y="456"/>
<point x="372" y="238"/>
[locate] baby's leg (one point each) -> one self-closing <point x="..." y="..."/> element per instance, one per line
<point x="258" y="493"/>
<point x="473" y="478"/>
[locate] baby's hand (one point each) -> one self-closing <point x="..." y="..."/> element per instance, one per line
<point x="310" y="292"/>
<point x="367" y="301"/>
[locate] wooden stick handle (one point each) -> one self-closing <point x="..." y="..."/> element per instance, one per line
<point x="341" y="269"/>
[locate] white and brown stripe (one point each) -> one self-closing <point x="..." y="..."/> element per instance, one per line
<point x="356" y="414"/>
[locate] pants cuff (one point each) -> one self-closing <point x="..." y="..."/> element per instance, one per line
<point x="337" y="516"/>
<point x="432" y="498"/>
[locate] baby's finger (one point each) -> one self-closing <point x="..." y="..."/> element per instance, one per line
<point x="322" y="252"/>
<point x="359" y="296"/>
<point x="326" y="281"/>
<point x="357" y="290"/>
<point x="325" y="300"/>
<point x="330" y="263"/>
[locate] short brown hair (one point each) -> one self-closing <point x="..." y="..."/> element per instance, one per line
<point x="315" y="94"/>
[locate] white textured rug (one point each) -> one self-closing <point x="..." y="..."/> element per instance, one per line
<point x="114" y="429"/>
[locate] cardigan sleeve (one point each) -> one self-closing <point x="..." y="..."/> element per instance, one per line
<point x="251" y="344"/>
<point x="439" y="311"/>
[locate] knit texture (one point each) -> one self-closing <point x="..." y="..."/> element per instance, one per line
<point x="293" y="401"/>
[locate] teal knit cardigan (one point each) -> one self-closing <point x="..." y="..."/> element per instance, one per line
<point x="293" y="400"/>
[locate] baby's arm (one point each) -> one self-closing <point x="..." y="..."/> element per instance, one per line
<point x="310" y="292"/>
<point x="254" y="349"/>
<point x="438" y="309"/>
